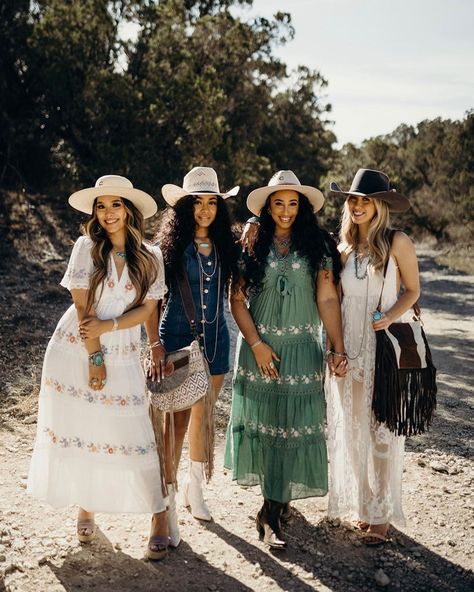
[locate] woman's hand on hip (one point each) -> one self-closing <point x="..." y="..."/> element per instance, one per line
<point x="264" y="357"/>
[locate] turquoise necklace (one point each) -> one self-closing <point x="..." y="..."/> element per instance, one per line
<point x="121" y="254"/>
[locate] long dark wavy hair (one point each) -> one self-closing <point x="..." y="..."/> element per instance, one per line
<point x="141" y="263"/>
<point x="311" y="241"/>
<point x="177" y="231"/>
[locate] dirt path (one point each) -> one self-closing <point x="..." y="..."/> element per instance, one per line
<point x="39" y="552"/>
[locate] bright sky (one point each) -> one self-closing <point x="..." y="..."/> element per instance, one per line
<point x="387" y="61"/>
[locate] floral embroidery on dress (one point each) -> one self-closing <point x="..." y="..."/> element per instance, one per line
<point x="123" y="350"/>
<point x="309" y="328"/>
<point x="279" y="432"/>
<point x="94" y="447"/>
<point x="94" y="396"/>
<point x="67" y="335"/>
<point x="288" y="379"/>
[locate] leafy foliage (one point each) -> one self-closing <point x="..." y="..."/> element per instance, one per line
<point x="432" y="164"/>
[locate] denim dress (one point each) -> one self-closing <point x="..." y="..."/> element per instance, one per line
<point x="175" y="331"/>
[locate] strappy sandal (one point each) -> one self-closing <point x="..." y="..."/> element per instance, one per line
<point x="374" y="539"/>
<point x="157" y="548"/>
<point x="84" y="525"/>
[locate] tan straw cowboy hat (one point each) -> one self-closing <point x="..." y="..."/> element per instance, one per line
<point x="376" y="185"/>
<point x="283" y="180"/>
<point x="115" y="185"/>
<point x="199" y="181"/>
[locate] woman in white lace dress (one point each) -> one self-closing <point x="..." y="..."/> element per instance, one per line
<point x="95" y="445"/>
<point x="366" y="459"/>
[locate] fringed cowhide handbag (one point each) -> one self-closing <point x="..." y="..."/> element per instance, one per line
<point x="405" y="378"/>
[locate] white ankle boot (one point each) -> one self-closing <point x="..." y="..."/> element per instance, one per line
<point x="173" y="528"/>
<point x="193" y="492"/>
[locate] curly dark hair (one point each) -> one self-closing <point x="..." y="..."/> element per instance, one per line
<point x="311" y="241"/>
<point x="177" y="231"/>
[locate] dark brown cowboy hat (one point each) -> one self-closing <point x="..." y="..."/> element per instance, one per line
<point x="376" y="185"/>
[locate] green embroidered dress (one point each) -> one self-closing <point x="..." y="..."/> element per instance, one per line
<point x="275" y="437"/>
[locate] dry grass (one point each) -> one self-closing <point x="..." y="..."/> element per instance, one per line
<point x="458" y="258"/>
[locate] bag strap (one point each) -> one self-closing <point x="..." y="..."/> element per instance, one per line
<point x="188" y="301"/>
<point x="416" y="307"/>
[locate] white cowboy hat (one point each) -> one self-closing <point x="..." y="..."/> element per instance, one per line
<point x="199" y="181"/>
<point x="83" y="200"/>
<point x="280" y="181"/>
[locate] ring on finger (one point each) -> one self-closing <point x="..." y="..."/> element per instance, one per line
<point x="272" y="365"/>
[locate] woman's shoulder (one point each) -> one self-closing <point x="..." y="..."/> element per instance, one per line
<point x="401" y="242"/>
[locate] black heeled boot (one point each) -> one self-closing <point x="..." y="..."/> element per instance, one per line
<point x="268" y="524"/>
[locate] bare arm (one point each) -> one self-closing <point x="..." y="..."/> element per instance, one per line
<point x="158" y="351"/>
<point x="264" y="354"/>
<point x="329" y="307"/>
<point x="94" y="327"/>
<point x="97" y="374"/>
<point x="403" y="251"/>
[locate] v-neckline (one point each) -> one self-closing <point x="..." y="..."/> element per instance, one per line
<point x="119" y="279"/>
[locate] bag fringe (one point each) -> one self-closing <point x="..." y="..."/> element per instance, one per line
<point x="403" y="399"/>
<point x="209" y="430"/>
<point x="156" y="417"/>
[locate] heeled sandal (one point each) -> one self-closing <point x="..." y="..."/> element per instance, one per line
<point x="83" y="525"/>
<point x="157" y="548"/>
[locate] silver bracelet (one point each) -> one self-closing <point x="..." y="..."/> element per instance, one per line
<point x="115" y="325"/>
<point x="258" y="342"/>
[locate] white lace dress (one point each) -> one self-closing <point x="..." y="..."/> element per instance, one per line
<point x="96" y="449"/>
<point x="366" y="459"/>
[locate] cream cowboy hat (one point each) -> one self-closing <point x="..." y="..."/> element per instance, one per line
<point x="199" y="180"/>
<point x="83" y="200"/>
<point x="280" y="181"/>
<point x="376" y="185"/>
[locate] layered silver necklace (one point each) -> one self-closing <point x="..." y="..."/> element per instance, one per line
<point x="205" y="278"/>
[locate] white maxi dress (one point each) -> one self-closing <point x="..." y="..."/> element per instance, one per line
<point x="366" y="459"/>
<point x="96" y="449"/>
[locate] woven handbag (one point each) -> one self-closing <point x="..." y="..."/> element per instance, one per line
<point x="186" y="384"/>
<point x="186" y="378"/>
<point x="405" y="388"/>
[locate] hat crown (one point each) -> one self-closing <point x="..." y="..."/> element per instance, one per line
<point x="368" y="181"/>
<point x="201" y="179"/>
<point x="113" y="181"/>
<point x="284" y="178"/>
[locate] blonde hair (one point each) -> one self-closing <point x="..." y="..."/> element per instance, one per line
<point x="141" y="263"/>
<point x="378" y="235"/>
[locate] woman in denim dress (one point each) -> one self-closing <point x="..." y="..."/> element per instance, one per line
<point x="195" y="237"/>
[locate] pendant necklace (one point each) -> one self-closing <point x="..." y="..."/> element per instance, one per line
<point x="358" y="259"/>
<point x="282" y="260"/>
<point x="121" y="254"/>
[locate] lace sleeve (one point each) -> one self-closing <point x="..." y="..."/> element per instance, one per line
<point x="80" y="266"/>
<point x="158" y="289"/>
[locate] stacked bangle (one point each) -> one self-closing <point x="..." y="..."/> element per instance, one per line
<point x="155" y="344"/>
<point x="258" y="342"/>
<point x="331" y="352"/>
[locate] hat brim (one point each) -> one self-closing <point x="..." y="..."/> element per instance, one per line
<point x="173" y="193"/>
<point x="396" y="202"/>
<point x="257" y="198"/>
<point x="83" y="200"/>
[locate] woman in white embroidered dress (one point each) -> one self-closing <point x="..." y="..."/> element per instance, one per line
<point x="95" y="445"/>
<point x="366" y="459"/>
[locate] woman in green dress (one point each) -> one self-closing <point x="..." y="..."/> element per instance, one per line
<point x="275" y="438"/>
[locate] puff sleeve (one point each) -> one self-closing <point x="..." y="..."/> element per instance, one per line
<point x="80" y="266"/>
<point x="158" y="289"/>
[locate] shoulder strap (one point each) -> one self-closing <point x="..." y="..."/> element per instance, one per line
<point x="187" y="300"/>
<point x="385" y="267"/>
